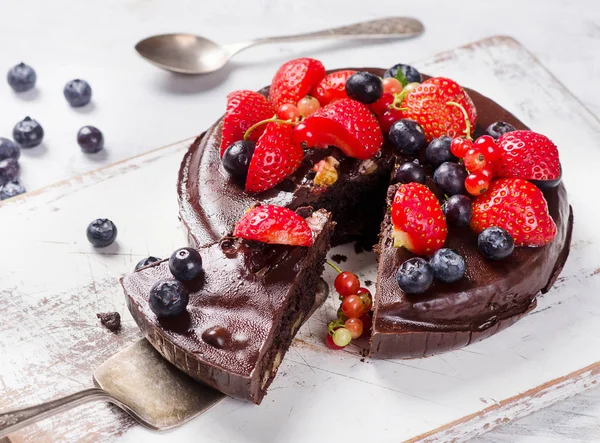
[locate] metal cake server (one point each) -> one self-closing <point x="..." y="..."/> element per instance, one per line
<point x="128" y="379"/>
<point x="192" y="54"/>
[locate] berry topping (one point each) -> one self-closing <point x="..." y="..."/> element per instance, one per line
<point x="168" y="298"/>
<point x="364" y="87"/>
<point x="450" y="178"/>
<point x="342" y="337"/>
<point x="28" y="133"/>
<point x="488" y="147"/>
<point x="347" y="124"/>
<point x="353" y="306"/>
<point x="9" y="170"/>
<point x="308" y="105"/>
<point x="495" y="130"/>
<point x="275" y="225"/>
<point x="477" y="183"/>
<point x="474" y="160"/>
<point x="244" y="109"/>
<point x="495" y="243"/>
<point x="419" y="223"/>
<point x="331" y="344"/>
<point x="410" y="172"/>
<point x="458" y="210"/>
<point x="346" y="283"/>
<point x="236" y="158"/>
<point x="21" y="77"/>
<point x="388" y="118"/>
<point x="407" y="136"/>
<point x="527" y="155"/>
<point x="441" y="107"/>
<point x="332" y="87"/>
<point x="392" y="85"/>
<point x="355" y="326"/>
<point x="90" y="139"/>
<point x="185" y="264"/>
<point x="415" y="276"/>
<point x="448" y="266"/>
<point x="78" y="93"/>
<point x="460" y="146"/>
<point x="287" y="111"/>
<point x="101" y="232"/>
<point x="407" y="72"/>
<point x="294" y="80"/>
<point x="275" y="157"/>
<point x="382" y="105"/>
<point x="11" y="189"/>
<point x="438" y="151"/>
<point x="518" y="207"/>
<point x="146" y="262"/>
<point x="9" y="149"/>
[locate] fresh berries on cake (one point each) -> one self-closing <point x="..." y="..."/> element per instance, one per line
<point x="419" y="223"/>
<point x="518" y="207"/>
<point x="332" y="87"/>
<point x="275" y="225"/>
<point x="409" y="172"/>
<point x="407" y="136"/>
<point x="364" y="87"/>
<point x="294" y="80"/>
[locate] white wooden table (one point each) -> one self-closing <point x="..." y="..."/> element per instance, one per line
<point x="140" y="108"/>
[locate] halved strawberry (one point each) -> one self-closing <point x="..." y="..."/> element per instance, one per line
<point x="275" y="157"/>
<point x="332" y="87"/>
<point x="295" y="79"/>
<point x="347" y="124"/>
<point x="275" y="225"/>
<point x="244" y="108"/>
<point x="518" y="207"/>
<point x="419" y="223"/>
<point x="428" y="105"/>
<point x="528" y="155"/>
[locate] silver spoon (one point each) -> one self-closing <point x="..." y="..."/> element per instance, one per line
<point x="191" y="54"/>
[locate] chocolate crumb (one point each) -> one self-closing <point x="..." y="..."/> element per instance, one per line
<point x="110" y="320"/>
<point x="339" y="258"/>
<point x="368" y="283"/>
<point x="362" y="359"/>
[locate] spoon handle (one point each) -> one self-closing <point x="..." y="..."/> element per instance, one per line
<point x="385" y="28"/>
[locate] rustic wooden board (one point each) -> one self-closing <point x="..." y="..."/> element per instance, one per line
<point x="54" y="282"/>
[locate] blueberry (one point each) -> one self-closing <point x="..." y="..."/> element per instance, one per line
<point x="458" y="210"/>
<point x="78" y="93"/>
<point x="409" y="172"/>
<point x="21" y="77"/>
<point x="450" y="178"/>
<point x="438" y="151"/>
<point x="28" y="133"/>
<point x="448" y="266"/>
<point x="407" y="136"/>
<point x="415" y="276"/>
<point x="146" y="262"/>
<point x="495" y="243"/>
<point x="185" y="264"/>
<point x="9" y="170"/>
<point x="410" y="74"/>
<point x="9" y="149"/>
<point x="236" y="158"/>
<point x="497" y="129"/>
<point x="364" y="87"/>
<point x="168" y="298"/>
<point x="90" y="139"/>
<point x="11" y="189"/>
<point x="101" y="232"/>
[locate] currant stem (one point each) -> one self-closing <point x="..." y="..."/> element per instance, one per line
<point x="467" y="122"/>
<point x="339" y="271"/>
<point x="273" y="119"/>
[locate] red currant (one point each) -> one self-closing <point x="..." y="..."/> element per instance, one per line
<point x="477" y="183"/>
<point x="355" y="326"/>
<point x="460" y="146"/>
<point x="353" y="306"/>
<point x="383" y="104"/>
<point x="331" y="344"/>
<point x="388" y="118"/>
<point x="487" y="172"/>
<point x="366" y="299"/>
<point x="488" y="146"/>
<point x="363" y="291"/>
<point x="308" y="105"/>
<point x="287" y="111"/>
<point x="346" y="283"/>
<point x="474" y="160"/>
<point x="367" y="322"/>
<point x="392" y="85"/>
<point x="342" y="337"/>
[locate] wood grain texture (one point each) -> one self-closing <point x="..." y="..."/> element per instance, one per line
<point x="54" y="283"/>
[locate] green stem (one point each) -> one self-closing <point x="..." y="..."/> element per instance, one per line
<point x="273" y="119"/>
<point x="334" y="266"/>
<point x="467" y="122"/>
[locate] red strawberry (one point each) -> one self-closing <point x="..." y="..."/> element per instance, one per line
<point x="528" y="155"/>
<point x="294" y="80"/>
<point x="419" y="223"/>
<point x="244" y="108"/>
<point x="347" y="124"/>
<point x="518" y="207"/>
<point x="428" y="105"/>
<point x="275" y="157"/>
<point x="332" y="87"/>
<point x="274" y="225"/>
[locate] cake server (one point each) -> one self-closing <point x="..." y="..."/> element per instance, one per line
<point x="192" y="54"/>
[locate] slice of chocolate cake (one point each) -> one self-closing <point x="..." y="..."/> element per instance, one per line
<point x="243" y="311"/>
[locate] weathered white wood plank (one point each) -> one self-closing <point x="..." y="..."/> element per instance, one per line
<point x="54" y="283"/>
